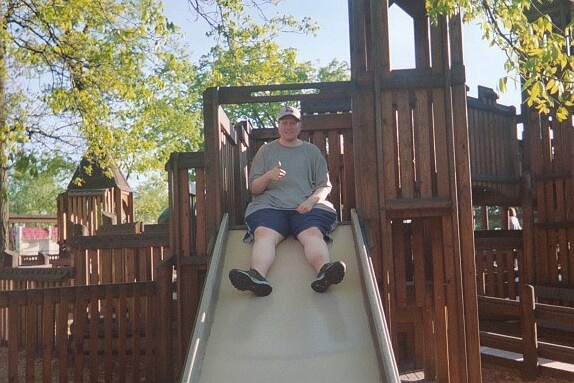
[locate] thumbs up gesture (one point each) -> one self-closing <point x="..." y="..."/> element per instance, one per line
<point x="278" y="172"/>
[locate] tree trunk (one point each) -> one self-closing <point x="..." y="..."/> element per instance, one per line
<point x="3" y="151"/>
<point x="3" y="203"/>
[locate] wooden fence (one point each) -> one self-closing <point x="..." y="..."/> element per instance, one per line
<point x="530" y="316"/>
<point x="117" y="258"/>
<point x="498" y="255"/>
<point x="115" y="320"/>
<point x="494" y="151"/>
<point x="107" y="332"/>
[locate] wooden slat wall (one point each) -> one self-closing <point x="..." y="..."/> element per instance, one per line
<point x="188" y="240"/>
<point x="77" y="333"/>
<point x="411" y="128"/>
<point x="549" y="206"/>
<point x="194" y="225"/>
<point x="494" y="152"/>
<point x="86" y="209"/>
<point x="122" y="258"/>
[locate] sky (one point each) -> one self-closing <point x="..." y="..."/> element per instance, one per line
<point x="484" y="65"/>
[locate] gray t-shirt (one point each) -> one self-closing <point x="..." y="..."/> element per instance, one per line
<point x="306" y="170"/>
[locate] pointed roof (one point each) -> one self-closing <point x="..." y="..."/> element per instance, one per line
<point x="98" y="179"/>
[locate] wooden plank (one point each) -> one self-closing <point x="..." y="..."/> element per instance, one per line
<point x="130" y="264"/>
<point x="63" y="311"/>
<point x="556" y="352"/>
<point x="424" y="155"/>
<point x="489" y="306"/>
<point x="199" y="243"/>
<point x="441" y="329"/>
<point x="429" y="341"/>
<point x="359" y="38"/>
<point x="570" y="235"/>
<point x="405" y="141"/>
<point x="560" y="200"/>
<point x="151" y="319"/>
<point x="529" y="336"/>
<point x="567" y="141"/>
<point x="490" y="274"/>
<point x="442" y="166"/>
<point x="562" y="255"/>
<point x="109" y="308"/>
<point x="399" y="256"/>
<point x="480" y="272"/>
<point x="365" y="137"/>
<point x="275" y="92"/>
<point x="348" y="175"/>
<point x="333" y="159"/>
<point x="48" y="320"/>
<point x="122" y="333"/>
<point x="389" y="148"/>
<point x="497" y="239"/>
<point x="79" y="321"/>
<point x="213" y="166"/>
<point x="164" y="306"/>
<point x="136" y="319"/>
<point x="15" y="338"/>
<point x="105" y="265"/>
<point x="552" y="257"/>
<point x="511" y="274"/>
<point x="499" y="274"/>
<point x="30" y="325"/>
<point x="546" y="146"/>
<point x="93" y="276"/>
<point x="501" y="342"/>
<point x="419" y="261"/>
<point x="542" y="270"/>
<point x="94" y="321"/>
<point x="120" y="241"/>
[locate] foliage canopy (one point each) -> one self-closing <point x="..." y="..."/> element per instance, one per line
<point x="537" y="42"/>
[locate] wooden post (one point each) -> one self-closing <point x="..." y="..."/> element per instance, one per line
<point x="529" y="336"/>
<point x="164" y="301"/>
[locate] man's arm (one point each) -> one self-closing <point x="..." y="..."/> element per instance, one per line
<point x="319" y="195"/>
<point x="259" y="185"/>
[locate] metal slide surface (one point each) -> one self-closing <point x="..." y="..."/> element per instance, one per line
<point x="294" y="334"/>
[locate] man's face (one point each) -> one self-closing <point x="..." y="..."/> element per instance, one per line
<point x="289" y="128"/>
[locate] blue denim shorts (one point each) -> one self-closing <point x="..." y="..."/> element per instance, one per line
<point x="290" y="222"/>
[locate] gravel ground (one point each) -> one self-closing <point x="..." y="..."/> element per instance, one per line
<point x="497" y="374"/>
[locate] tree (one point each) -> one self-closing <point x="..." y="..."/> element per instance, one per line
<point x="103" y="77"/>
<point x="107" y="80"/>
<point x="245" y="52"/>
<point x="34" y="183"/>
<point x="150" y="199"/>
<point x="538" y="48"/>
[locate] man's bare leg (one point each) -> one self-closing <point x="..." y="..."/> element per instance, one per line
<point x="314" y="247"/>
<point x="317" y="254"/>
<point x="263" y="250"/>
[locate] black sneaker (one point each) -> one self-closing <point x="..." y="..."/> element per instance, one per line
<point x="330" y="274"/>
<point x="250" y="280"/>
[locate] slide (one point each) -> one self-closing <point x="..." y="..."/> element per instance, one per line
<point x="294" y="334"/>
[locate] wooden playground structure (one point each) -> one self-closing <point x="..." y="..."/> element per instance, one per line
<point x="407" y="149"/>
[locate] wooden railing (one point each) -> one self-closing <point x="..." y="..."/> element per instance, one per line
<point x="494" y="150"/>
<point x="117" y="258"/>
<point x="531" y="316"/>
<point x="189" y="239"/>
<point x="90" y="333"/>
<point x="497" y="255"/>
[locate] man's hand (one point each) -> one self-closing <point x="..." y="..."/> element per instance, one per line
<point x="305" y="206"/>
<point x="259" y="185"/>
<point x="277" y="173"/>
